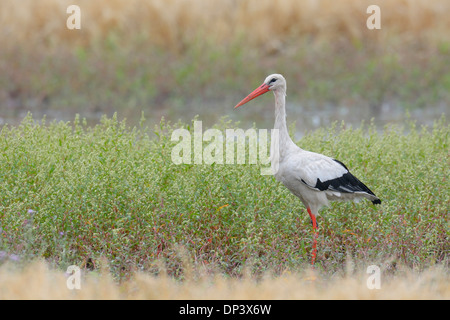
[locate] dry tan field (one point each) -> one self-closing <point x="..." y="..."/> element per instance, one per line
<point x="173" y="24"/>
<point x="38" y="281"/>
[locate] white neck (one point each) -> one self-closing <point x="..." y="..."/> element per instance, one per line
<point x="285" y="141"/>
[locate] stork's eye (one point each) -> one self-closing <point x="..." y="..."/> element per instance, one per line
<point x="272" y="80"/>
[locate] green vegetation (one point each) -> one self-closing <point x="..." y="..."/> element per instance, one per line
<point x="208" y="79"/>
<point x="74" y="194"/>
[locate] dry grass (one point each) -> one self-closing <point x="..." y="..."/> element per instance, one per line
<point x="38" y="281"/>
<point x="179" y="54"/>
<point x="173" y="24"/>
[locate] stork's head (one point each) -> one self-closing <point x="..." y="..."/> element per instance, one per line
<point x="275" y="82"/>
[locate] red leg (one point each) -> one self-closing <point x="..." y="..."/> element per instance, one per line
<point x="313" y="219"/>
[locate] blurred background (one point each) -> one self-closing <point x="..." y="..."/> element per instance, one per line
<point x="180" y="58"/>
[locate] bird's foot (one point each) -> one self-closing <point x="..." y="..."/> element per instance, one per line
<point x="312" y="223"/>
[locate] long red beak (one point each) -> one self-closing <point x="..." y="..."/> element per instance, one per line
<point x="257" y="92"/>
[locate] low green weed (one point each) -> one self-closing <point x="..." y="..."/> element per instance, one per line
<point x="75" y="194"/>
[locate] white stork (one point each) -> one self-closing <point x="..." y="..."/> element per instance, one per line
<point x="314" y="178"/>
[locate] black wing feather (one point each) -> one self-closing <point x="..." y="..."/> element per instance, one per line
<point x="347" y="183"/>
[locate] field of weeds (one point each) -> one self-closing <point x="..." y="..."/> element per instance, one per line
<point x="81" y="186"/>
<point x="78" y="195"/>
